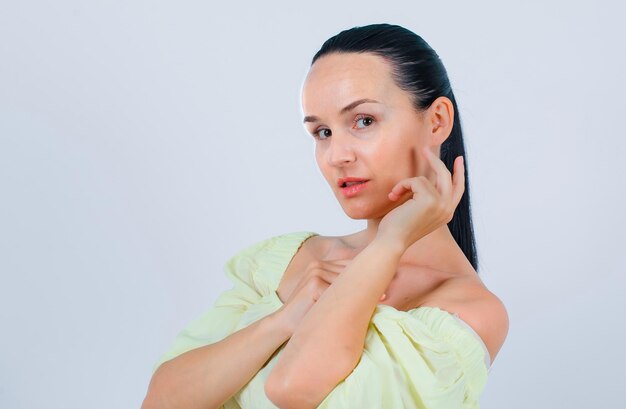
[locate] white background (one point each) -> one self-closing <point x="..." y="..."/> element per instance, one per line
<point x="142" y="143"/>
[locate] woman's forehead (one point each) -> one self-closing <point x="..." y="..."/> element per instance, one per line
<point x="352" y="68"/>
<point x="339" y="79"/>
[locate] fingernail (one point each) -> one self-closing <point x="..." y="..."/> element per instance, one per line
<point x="382" y="297"/>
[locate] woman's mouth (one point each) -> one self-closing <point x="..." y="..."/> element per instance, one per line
<point x="350" y="188"/>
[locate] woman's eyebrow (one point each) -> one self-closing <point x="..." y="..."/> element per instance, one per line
<point x="347" y="108"/>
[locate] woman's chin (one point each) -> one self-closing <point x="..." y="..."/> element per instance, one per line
<point x="357" y="216"/>
<point x="363" y="212"/>
<point x="361" y="208"/>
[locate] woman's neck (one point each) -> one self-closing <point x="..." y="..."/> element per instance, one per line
<point x="437" y="250"/>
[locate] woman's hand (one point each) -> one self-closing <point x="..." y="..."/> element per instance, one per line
<point x="319" y="275"/>
<point x="430" y="205"/>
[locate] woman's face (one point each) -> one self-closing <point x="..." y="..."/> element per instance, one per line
<point x="365" y="127"/>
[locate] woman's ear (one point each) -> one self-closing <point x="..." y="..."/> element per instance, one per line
<point x="440" y="116"/>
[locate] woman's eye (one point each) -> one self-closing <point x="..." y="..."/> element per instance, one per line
<point x="322" y="133"/>
<point x="363" y="121"/>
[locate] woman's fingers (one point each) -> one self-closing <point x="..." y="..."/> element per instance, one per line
<point x="413" y="185"/>
<point x="340" y="261"/>
<point x="322" y="266"/>
<point x="334" y="265"/>
<point x="322" y="273"/>
<point x="403" y="186"/>
<point x="328" y="275"/>
<point x="326" y="269"/>
<point x="442" y="182"/>
<point x="458" y="179"/>
<point x="443" y="177"/>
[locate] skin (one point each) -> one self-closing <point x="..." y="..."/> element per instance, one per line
<point x="396" y="137"/>
<point x="405" y="256"/>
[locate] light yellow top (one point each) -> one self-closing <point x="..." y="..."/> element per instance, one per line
<point x="422" y="358"/>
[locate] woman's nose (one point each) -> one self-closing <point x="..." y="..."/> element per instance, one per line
<point x="341" y="151"/>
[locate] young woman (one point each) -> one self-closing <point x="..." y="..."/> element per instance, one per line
<point x="393" y="316"/>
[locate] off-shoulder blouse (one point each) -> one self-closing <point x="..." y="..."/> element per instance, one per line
<point x="422" y="358"/>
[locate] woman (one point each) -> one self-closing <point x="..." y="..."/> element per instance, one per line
<point x="393" y="316"/>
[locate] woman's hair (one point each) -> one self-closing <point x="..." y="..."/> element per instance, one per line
<point x="418" y="70"/>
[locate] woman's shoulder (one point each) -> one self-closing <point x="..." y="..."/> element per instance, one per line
<point x="284" y="241"/>
<point x="469" y="299"/>
<point x="264" y="261"/>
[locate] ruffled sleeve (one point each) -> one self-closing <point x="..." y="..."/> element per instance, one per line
<point x="255" y="273"/>
<point x="423" y="358"/>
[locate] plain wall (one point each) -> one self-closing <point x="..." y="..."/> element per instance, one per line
<point x="144" y="143"/>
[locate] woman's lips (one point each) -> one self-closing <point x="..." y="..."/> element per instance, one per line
<point x="354" y="189"/>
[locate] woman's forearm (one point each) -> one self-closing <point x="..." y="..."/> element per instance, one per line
<point x="328" y="343"/>
<point x="208" y="376"/>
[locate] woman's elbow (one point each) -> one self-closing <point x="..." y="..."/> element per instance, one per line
<point x="158" y="396"/>
<point x="286" y="395"/>
<point x="151" y="402"/>
<point x="302" y="388"/>
<point x="275" y="389"/>
<point x="154" y="398"/>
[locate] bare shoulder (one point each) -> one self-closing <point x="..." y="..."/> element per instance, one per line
<point x="468" y="297"/>
<point x="487" y="315"/>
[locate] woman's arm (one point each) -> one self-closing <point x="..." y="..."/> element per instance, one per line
<point x="208" y="376"/>
<point x="328" y="343"/>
